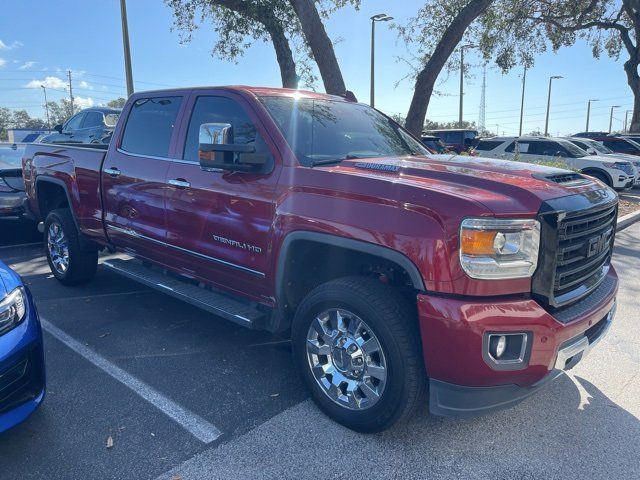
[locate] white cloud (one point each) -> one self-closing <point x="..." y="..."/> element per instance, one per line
<point x="49" y="82"/>
<point x="14" y="44"/>
<point x="26" y="65"/>
<point x="83" y="102"/>
<point x="3" y="62"/>
<point x="84" y="84"/>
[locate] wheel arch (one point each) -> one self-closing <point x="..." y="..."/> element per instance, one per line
<point x="290" y="288"/>
<point x="599" y="171"/>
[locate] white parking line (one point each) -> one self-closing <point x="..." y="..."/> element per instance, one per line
<point x="194" y="424"/>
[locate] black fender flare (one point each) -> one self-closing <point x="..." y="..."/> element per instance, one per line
<point x="61" y="184"/>
<point x="347" y="243"/>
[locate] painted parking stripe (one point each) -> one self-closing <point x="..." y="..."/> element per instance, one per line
<point x="194" y="424"/>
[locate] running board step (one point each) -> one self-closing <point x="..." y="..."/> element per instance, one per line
<point x="216" y="303"/>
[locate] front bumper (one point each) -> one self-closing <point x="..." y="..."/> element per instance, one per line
<point x="22" y="374"/>
<point x="464" y="384"/>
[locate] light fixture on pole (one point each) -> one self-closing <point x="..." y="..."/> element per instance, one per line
<point x="546" y="122"/>
<point x="460" y="113"/>
<point x="380" y="17"/>
<point x="46" y="106"/>
<point x="589" y="111"/>
<point x="611" y="116"/>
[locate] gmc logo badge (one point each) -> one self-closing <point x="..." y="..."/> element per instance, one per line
<point x="597" y="244"/>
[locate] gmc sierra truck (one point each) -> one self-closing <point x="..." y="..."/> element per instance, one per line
<point x="393" y="270"/>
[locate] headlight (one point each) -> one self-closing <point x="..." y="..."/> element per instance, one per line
<point x="492" y="249"/>
<point x="12" y="310"/>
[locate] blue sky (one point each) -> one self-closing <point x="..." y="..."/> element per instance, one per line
<point x="44" y="39"/>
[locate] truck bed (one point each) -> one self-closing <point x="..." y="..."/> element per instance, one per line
<point x="77" y="169"/>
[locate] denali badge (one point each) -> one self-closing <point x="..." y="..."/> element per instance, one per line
<point x="597" y="244"/>
<point x="237" y="244"/>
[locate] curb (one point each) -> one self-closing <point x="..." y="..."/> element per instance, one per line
<point x="629" y="219"/>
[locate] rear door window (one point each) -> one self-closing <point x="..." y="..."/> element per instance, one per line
<point x="92" y="120"/>
<point x="150" y="126"/>
<point x="487" y="145"/>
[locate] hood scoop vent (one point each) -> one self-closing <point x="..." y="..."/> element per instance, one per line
<point x="380" y="167"/>
<point x="567" y="179"/>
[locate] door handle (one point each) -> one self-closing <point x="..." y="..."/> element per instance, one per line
<point x="180" y="183"/>
<point x="114" y="172"/>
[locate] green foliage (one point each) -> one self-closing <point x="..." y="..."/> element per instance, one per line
<point x="117" y="103"/>
<point x="18" y="119"/>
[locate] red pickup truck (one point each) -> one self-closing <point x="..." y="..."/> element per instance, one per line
<point x="393" y="270"/>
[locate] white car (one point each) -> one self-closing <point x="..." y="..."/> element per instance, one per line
<point x="619" y="175"/>
<point x="594" y="147"/>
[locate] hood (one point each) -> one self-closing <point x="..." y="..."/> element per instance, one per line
<point x="504" y="187"/>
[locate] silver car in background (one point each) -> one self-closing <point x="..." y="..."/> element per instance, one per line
<point x="12" y="194"/>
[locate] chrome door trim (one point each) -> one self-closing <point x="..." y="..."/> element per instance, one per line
<point x="132" y="233"/>
<point x="179" y="183"/>
<point x="165" y="159"/>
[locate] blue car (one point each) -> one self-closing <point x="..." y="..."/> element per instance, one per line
<point x="22" y="376"/>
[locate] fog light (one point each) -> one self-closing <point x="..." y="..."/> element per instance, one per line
<point x="506" y="350"/>
<point x="501" y="346"/>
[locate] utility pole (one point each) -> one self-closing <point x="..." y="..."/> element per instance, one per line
<point x="546" y="122"/>
<point x="46" y="106"/>
<point x="611" y="116"/>
<point x="70" y="91"/>
<point x="589" y="112"/>
<point x="460" y="113"/>
<point x="524" y="83"/>
<point x="127" y="48"/>
<point x="626" y="118"/>
<point x="380" y="17"/>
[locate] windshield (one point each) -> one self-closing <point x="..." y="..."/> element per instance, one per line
<point x="574" y="150"/>
<point x="600" y="148"/>
<point x="320" y="131"/>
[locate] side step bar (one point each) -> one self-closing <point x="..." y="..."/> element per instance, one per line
<point x="216" y="303"/>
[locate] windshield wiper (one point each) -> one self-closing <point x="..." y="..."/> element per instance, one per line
<point x="329" y="161"/>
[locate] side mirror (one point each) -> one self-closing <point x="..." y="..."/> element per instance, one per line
<point x="58" y="128"/>
<point x="217" y="151"/>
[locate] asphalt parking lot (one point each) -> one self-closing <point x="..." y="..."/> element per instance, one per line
<point x="185" y="395"/>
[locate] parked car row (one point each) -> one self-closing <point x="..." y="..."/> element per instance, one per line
<point x="618" y="173"/>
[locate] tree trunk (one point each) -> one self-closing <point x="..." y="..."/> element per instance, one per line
<point x="321" y="46"/>
<point x="274" y="27"/>
<point x="429" y="74"/>
<point x="284" y="54"/>
<point x="633" y="79"/>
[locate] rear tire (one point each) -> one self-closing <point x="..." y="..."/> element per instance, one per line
<point x="371" y="374"/>
<point x="70" y="262"/>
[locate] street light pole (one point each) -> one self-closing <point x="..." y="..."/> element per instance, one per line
<point x="546" y="122"/>
<point x="46" y="106"/>
<point x="127" y="48"/>
<point x="524" y="82"/>
<point x="589" y="112"/>
<point x="380" y="17"/>
<point x="460" y="113"/>
<point x="611" y="116"/>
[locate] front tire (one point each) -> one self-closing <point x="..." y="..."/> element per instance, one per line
<point x="69" y="262"/>
<point x="356" y="344"/>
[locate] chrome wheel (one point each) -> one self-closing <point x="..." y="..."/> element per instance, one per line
<point x="58" y="248"/>
<point x="346" y="359"/>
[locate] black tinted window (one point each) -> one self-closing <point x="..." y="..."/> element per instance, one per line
<point x="74" y="122"/>
<point x="220" y="110"/>
<point x="92" y="119"/>
<point x="512" y="147"/>
<point x="453" y="137"/>
<point x="619" y="146"/>
<point x="486" y="145"/>
<point x="150" y="125"/>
